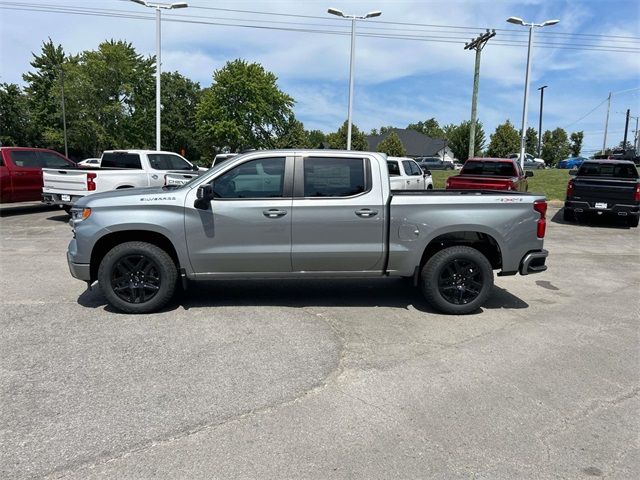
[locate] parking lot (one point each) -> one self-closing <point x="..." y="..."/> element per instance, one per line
<point x="321" y="378"/>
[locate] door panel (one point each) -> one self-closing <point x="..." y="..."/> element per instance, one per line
<point x="334" y="231"/>
<point x="26" y="176"/>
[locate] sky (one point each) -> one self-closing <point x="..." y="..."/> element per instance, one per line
<point x="410" y="63"/>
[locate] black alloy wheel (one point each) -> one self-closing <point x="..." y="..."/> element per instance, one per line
<point x="460" y="281"/>
<point x="135" y="278"/>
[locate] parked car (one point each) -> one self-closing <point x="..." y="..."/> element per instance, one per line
<point x="302" y="214"/>
<point x="434" y="163"/>
<point x="21" y="172"/>
<point x="490" y="174"/>
<point x="530" y="162"/>
<point x="118" y="169"/>
<point x="604" y="187"/>
<point x="89" y="162"/>
<point x="571" y="162"/>
<point x="406" y="174"/>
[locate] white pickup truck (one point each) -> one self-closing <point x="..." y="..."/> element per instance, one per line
<point x="406" y="174"/>
<point x="118" y="169"/>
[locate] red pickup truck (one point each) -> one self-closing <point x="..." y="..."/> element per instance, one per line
<point x="490" y="174"/>
<point x="21" y="172"/>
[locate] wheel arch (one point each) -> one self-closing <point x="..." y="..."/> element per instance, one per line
<point x="484" y="242"/>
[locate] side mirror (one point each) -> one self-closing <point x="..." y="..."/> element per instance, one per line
<point x="427" y="172"/>
<point x="194" y="168"/>
<point x="204" y="195"/>
<point x="573" y="171"/>
<point x="528" y="174"/>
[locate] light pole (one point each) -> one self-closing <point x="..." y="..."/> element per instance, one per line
<point x="158" y="7"/>
<point x="523" y="132"/>
<point x="540" y="119"/>
<point x="353" y="18"/>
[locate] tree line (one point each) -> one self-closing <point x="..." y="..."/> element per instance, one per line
<point x="109" y="96"/>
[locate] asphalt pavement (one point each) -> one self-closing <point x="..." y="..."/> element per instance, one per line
<point x="321" y="379"/>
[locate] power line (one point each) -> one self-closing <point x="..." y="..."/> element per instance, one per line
<point x="588" y="113"/>
<point x="193" y="20"/>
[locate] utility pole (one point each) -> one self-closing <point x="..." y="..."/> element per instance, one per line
<point x="64" y="115"/>
<point x="626" y="130"/>
<point x="476" y="44"/>
<point x="606" y="125"/>
<point x="540" y="120"/>
<point x="636" y="144"/>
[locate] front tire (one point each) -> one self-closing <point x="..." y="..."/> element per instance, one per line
<point x="457" y="280"/>
<point x="137" y="277"/>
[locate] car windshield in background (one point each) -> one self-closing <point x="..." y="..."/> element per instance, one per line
<point x="614" y="170"/>
<point x="500" y="169"/>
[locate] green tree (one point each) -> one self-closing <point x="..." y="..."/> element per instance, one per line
<point x="556" y="146"/>
<point x="294" y="135"/>
<point x="457" y="137"/>
<point x="503" y="141"/>
<point x="576" y="143"/>
<point x="531" y="142"/>
<point x="316" y="138"/>
<point x="109" y="95"/>
<point x="43" y="99"/>
<point x="243" y="108"/>
<point x="429" y="127"/>
<point x="338" y="140"/>
<point x="392" y="146"/>
<point x="14" y="116"/>
<point x="386" y="129"/>
<point x="180" y="97"/>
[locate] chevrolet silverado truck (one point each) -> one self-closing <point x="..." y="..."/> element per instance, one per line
<point x="604" y="187"/>
<point x="490" y="174"/>
<point x="301" y="214"/>
<point x="406" y="174"/>
<point x="117" y="170"/>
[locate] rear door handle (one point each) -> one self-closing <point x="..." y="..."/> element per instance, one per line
<point x="366" y="213"/>
<point x="274" y="213"/>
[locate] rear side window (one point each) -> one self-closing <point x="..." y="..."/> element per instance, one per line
<point x="500" y="169"/>
<point x="50" y="160"/>
<point x="334" y="177"/>
<point x="614" y="170"/>
<point x="394" y="169"/>
<point x="26" y="159"/>
<point x="164" y="161"/>
<point x="121" y="160"/>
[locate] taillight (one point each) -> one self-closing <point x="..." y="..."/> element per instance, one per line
<point x="91" y="184"/>
<point x="570" y="188"/>
<point x="636" y="196"/>
<point x="540" y="206"/>
<point x="447" y="184"/>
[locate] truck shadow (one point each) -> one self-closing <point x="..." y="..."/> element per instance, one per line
<point x="593" y="221"/>
<point x="14" y="210"/>
<point x="394" y="293"/>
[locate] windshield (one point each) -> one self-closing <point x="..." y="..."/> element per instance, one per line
<point x="217" y="167"/>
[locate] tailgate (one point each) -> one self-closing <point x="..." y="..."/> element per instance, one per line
<point x="479" y="182"/>
<point x="604" y="190"/>
<point x="63" y="179"/>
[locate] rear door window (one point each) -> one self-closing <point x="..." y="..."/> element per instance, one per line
<point x="165" y="161"/>
<point x="394" y="169"/>
<point x="26" y="159"/>
<point x="121" y="160"/>
<point x="334" y="177"/>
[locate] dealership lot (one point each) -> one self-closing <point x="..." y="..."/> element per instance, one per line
<point x="321" y="378"/>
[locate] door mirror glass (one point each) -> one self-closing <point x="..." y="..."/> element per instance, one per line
<point x="528" y="174"/>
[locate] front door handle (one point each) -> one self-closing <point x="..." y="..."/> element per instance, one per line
<point x="274" y="213"/>
<point x="366" y="213"/>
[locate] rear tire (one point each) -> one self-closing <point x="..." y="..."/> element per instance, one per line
<point x="568" y="215"/>
<point x="457" y="280"/>
<point x="137" y="277"/>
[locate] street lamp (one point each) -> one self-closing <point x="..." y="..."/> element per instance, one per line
<point x="540" y="119"/>
<point x="159" y="7"/>
<point x="519" y="21"/>
<point x="353" y="18"/>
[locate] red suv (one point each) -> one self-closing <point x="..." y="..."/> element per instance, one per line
<point x="21" y="172"/>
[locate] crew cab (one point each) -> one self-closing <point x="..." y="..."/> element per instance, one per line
<point x="303" y="214"/>
<point x="490" y="174"/>
<point x="406" y="174"/>
<point x="21" y="172"/>
<point x="118" y="169"/>
<point x="604" y="187"/>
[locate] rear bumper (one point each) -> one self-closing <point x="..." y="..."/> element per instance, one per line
<point x="533" y="262"/>
<point x="622" y="210"/>
<point x="56" y="199"/>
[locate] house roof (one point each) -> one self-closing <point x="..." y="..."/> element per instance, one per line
<point x="415" y="143"/>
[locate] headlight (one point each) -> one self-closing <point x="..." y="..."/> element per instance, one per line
<point x="79" y="214"/>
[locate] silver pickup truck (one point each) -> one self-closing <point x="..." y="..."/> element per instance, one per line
<point x="303" y="213"/>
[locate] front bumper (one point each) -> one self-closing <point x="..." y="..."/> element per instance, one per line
<point x="533" y="262"/>
<point x="81" y="271"/>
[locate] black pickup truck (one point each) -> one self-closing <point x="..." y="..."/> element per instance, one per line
<point x="607" y="187"/>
